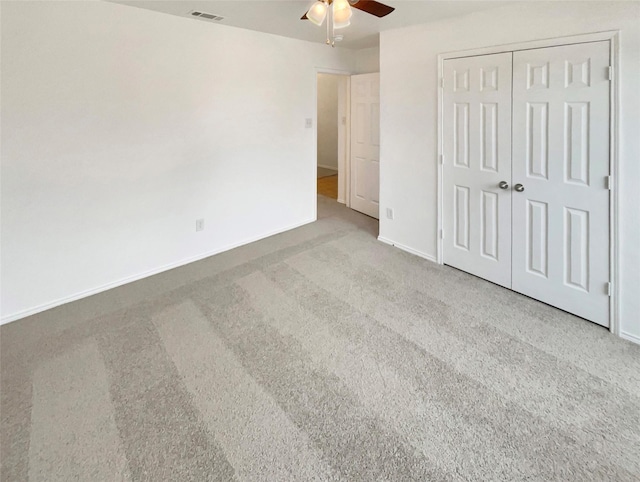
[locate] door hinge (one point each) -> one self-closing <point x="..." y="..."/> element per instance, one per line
<point x="608" y="182"/>
<point x="442" y="82"/>
<point x="442" y="234"/>
<point x="610" y="72"/>
<point x="608" y="288"/>
<point x="441" y="158"/>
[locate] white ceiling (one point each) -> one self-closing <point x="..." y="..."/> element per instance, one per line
<point x="283" y="17"/>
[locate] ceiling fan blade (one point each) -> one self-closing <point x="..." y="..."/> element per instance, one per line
<point x="374" y="8"/>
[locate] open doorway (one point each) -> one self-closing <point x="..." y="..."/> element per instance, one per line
<point x="332" y="135"/>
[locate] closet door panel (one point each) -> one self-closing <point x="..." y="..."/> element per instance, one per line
<point x="477" y="158"/>
<point x="561" y="160"/>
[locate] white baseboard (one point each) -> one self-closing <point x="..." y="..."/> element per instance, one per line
<point x="630" y="337"/>
<point x="408" y="249"/>
<point x="328" y="167"/>
<point x="341" y="201"/>
<point x="130" y="279"/>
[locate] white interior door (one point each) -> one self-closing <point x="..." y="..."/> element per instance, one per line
<point x="365" y="144"/>
<point x="477" y="158"/>
<point x="561" y="160"/>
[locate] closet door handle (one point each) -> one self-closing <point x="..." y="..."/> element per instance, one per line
<point x="519" y="187"/>
<point x="503" y="185"/>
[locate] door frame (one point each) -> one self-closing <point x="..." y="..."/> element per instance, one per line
<point x="613" y="37"/>
<point x="345" y="178"/>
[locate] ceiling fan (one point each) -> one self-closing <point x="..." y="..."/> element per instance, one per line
<point x="340" y="14"/>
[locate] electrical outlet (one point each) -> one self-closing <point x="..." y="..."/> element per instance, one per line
<point x="308" y="123"/>
<point x="389" y="213"/>
<point x="199" y="224"/>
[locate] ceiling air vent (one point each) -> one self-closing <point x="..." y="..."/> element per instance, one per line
<point x="206" y="16"/>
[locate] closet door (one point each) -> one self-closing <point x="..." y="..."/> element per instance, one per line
<point x="560" y="166"/>
<point x="477" y="166"/>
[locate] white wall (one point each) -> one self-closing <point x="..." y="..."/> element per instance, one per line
<point x="408" y="61"/>
<point x="367" y="60"/>
<point x="122" y="126"/>
<point x="328" y="120"/>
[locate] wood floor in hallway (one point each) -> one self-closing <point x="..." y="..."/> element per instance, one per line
<point x="328" y="186"/>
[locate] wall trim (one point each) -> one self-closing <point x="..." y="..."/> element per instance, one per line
<point x="630" y="337"/>
<point x="415" y="252"/>
<point x="130" y="279"/>
<point x="613" y="37"/>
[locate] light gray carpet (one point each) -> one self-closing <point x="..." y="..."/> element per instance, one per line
<point x="324" y="172"/>
<point x="317" y="354"/>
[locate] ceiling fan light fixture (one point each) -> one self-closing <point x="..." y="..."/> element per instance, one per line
<point x="341" y="14"/>
<point x="317" y="12"/>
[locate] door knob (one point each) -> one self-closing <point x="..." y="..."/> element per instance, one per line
<point x="503" y="185"/>
<point x="519" y="187"/>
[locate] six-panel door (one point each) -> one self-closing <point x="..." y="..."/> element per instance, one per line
<point x="545" y="133"/>
<point x="365" y="143"/>
<point x="561" y="159"/>
<point x="477" y="153"/>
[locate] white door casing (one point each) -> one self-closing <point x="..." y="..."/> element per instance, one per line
<point x="343" y="137"/>
<point x="561" y="158"/>
<point x="365" y="143"/>
<point x="477" y="158"/>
